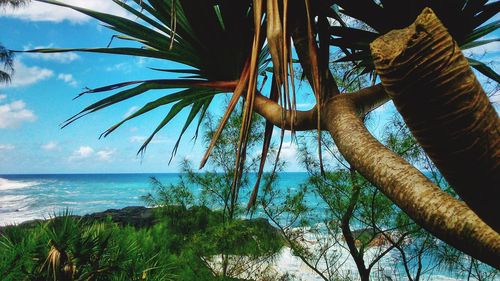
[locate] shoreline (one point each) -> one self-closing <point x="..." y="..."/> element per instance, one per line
<point x="284" y="262"/>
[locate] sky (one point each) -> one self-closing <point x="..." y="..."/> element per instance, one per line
<point x="39" y="99"/>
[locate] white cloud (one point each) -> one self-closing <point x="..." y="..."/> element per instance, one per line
<point x="82" y="152"/>
<point x="122" y="67"/>
<point x="142" y="139"/>
<point x="13" y="114"/>
<point x="137" y="139"/>
<point x="57" y="57"/>
<point x="130" y="111"/>
<point x="68" y="78"/>
<point x="142" y="61"/>
<point x="305" y="105"/>
<point x="37" y="11"/>
<point x="384" y="108"/>
<point x="289" y="152"/>
<point x="27" y="75"/>
<point x="105" y="155"/>
<point x="2" y="97"/>
<point x="88" y="153"/>
<point x="6" y="147"/>
<point x="50" y="146"/>
<point x="495" y="97"/>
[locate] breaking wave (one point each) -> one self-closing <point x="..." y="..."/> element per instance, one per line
<point x="6" y="184"/>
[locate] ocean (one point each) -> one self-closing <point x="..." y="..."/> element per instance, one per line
<point x="28" y="197"/>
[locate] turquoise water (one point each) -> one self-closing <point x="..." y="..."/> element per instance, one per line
<point x="26" y="197"/>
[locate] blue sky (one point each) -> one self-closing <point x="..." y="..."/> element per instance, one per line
<point x="43" y="86"/>
<point x="40" y="97"/>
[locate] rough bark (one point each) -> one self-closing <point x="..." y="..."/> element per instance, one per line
<point x="443" y="104"/>
<point x="442" y="215"/>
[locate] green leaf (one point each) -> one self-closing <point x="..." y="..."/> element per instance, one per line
<point x="195" y="109"/>
<point x="481" y="31"/>
<point x="219" y="17"/>
<point x="126" y="94"/>
<point x="121" y="96"/>
<point x="176" y="108"/>
<point x="200" y="119"/>
<point x="484" y="69"/>
<point x="190" y="95"/>
<point x="183" y="71"/>
<point x="149" y="36"/>
<point x="142" y="16"/>
<point x="162" y="10"/>
<point x="478" y="43"/>
<point x="353" y="34"/>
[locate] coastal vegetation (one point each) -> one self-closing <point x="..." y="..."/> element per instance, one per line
<point x="187" y="237"/>
<point x="174" y="247"/>
<point x="193" y="232"/>
<point x="425" y="188"/>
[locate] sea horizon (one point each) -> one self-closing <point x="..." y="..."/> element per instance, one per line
<point x="130" y="173"/>
<point x="25" y="197"/>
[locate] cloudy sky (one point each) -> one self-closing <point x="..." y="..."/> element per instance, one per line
<point x="39" y="99"/>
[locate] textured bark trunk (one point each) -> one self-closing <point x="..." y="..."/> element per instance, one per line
<point x="445" y="217"/>
<point x="443" y="104"/>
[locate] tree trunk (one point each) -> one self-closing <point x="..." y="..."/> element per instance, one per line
<point x="443" y="104"/>
<point x="442" y="215"/>
<point x="349" y="238"/>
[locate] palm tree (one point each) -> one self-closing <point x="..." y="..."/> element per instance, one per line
<point x="6" y="56"/>
<point x="13" y="3"/>
<point x="227" y="45"/>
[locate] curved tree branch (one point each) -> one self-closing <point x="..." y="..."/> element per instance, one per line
<point x="442" y="215"/>
<point x="446" y="109"/>
<point x="273" y="112"/>
<point x="370" y="98"/>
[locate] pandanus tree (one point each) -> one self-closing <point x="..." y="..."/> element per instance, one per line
<point x="227" y="45"/>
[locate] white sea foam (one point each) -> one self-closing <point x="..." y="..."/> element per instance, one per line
<point x="12" y="198"/>
<point x="17" y="217"/>
<point x="6" y="184"/>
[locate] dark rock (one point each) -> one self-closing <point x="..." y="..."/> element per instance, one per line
<point x="136" y="216"/>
